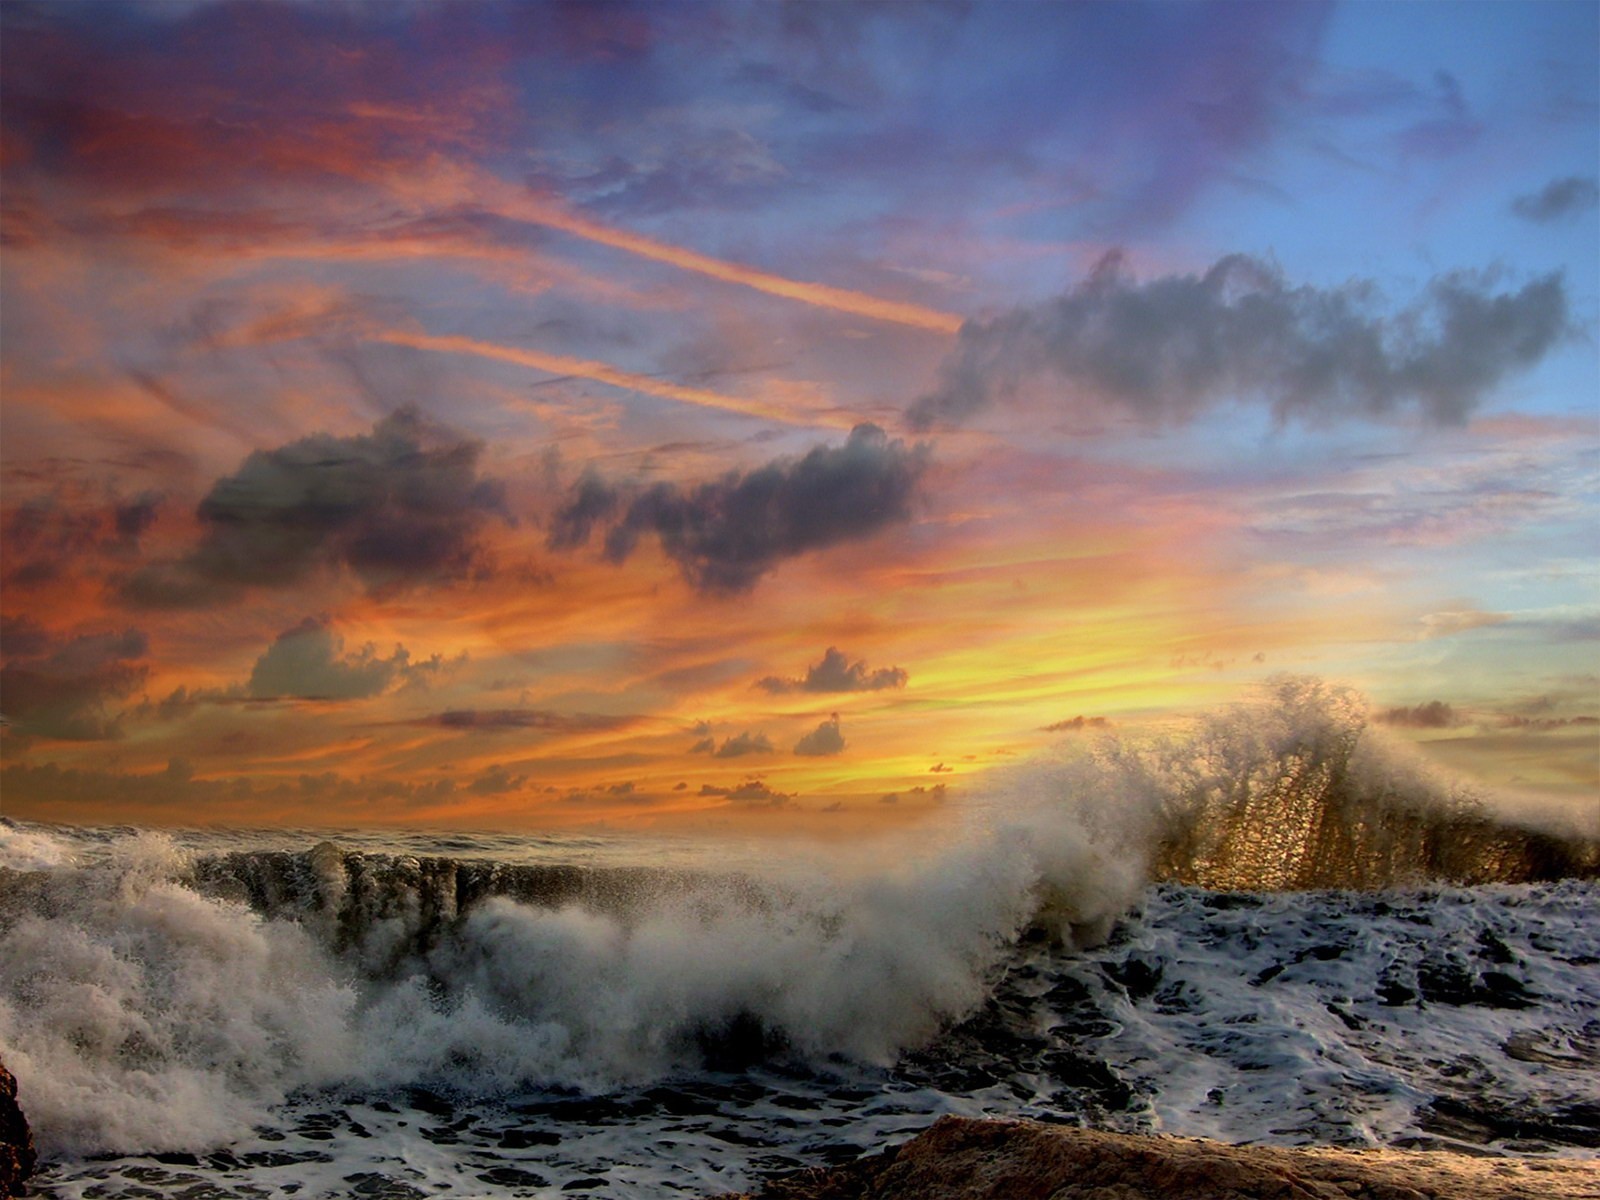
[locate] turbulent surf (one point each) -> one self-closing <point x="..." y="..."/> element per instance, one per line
<point x="1274" y="926"/>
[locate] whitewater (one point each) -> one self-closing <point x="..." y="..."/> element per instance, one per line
<point x="1274" y="926"/>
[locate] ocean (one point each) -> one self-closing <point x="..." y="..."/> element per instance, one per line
<point x="1277" y="928"/>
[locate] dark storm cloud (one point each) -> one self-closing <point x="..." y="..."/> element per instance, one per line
<point x="836" y="673"/>
<point x="399" y="506"/>
<point x="726" y="534"/>
<point x="1558" y="199"/>
<point x="748" y="742"/>
<point x="308" y="662"/>
<point x="66" y="688"/>
<point x="1435" y="714"/>
<point x="823" y="741"/>
<point x="593" y="502"/>
<point x="1168" y="348"/>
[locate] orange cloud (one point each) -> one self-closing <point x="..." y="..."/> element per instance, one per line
<point x="449" y="185"/>
<point x="820" y="295"/>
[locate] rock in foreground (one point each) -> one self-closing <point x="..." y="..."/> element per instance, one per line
<point x="962" y="1159"/>
<point x="16" y="1139"/>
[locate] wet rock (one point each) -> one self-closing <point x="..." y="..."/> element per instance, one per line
<point x="1481" y="1119"/>
<point x="17" y="1157"/>
<point x="963" y="1159"/>
<point x="373" y="1185"/>
<point x="1138" y="975"/>
<point x="513" y="1177"/>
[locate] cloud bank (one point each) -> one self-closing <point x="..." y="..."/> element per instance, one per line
<point x="1171" y="347"/>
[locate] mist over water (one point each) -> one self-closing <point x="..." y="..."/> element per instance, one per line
<point x="158" y="998"/>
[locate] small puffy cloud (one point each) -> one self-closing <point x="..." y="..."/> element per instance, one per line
<point x="823" y="741"/>
<point x="1077" y="724"/>
<point x="751" y="791"/>
<point x="309" y="662"/>
<point x="1559" y="199"/>
<point x="726" y="534"/>
<point x="1169" y="348"/>
<point x="399" y="506"/>
<point x="65" y="688"/>
<point x="836" y="673"/>
<point x="1435" y="714"/>
<point x="744" y="743"/>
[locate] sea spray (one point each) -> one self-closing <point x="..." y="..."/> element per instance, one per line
<point x="153" y="999"/>
<point x="135" y="1012"/>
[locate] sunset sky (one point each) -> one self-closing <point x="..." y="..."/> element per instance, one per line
<point x="507" y="414"/>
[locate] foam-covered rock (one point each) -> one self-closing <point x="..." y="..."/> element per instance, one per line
<point x="963" y="1159"/>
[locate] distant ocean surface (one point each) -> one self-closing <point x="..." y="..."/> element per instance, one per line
<point x="1278" y="929"/>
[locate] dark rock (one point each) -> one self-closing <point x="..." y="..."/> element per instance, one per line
<point x="526" y="1139"/>
<point x="1138" y="975"/>
<point x="513" y="1177"/>
<point x="17" y="1156"/>
<point x="1493" y="949"/>
<point x="1394" y="994"/>
<point x="373" y="1185"/>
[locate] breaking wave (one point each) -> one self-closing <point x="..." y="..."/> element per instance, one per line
<point x="163" y="999"/>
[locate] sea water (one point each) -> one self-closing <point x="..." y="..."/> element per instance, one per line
<point x="1276" y="928"/>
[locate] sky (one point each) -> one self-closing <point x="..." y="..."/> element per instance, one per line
<point x="705" y="414"/>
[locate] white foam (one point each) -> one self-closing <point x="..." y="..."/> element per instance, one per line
<point x="135" y="1013"/>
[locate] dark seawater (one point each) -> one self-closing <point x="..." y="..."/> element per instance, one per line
<point x="1277" y="928"/>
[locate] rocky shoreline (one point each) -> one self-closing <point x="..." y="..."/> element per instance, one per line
<point x="959" y="1158"/>
<point x="17" y="1157"/>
